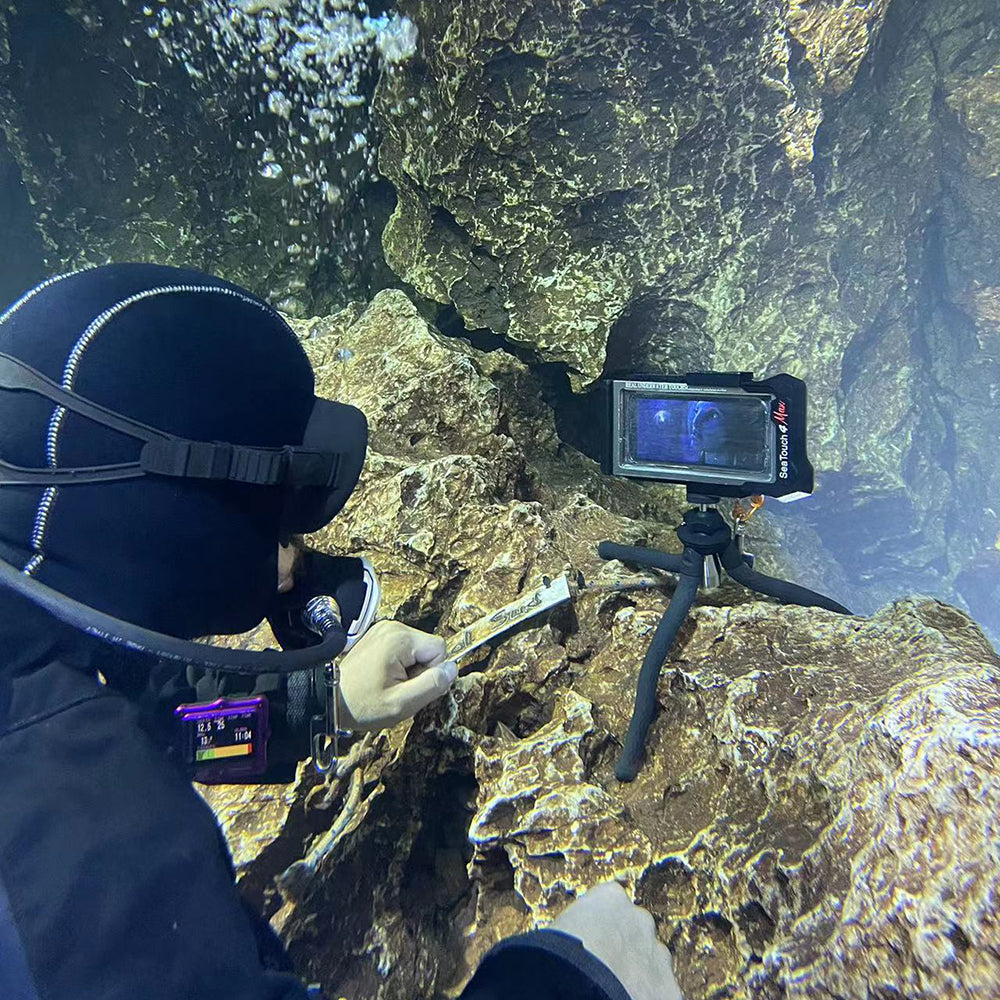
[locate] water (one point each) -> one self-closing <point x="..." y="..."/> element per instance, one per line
<point x="660" y="189"/>
<point x="671" y="186"/>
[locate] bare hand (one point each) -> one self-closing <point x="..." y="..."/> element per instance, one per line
<point x="391" y="673"/>
<point x="623" y="936"/>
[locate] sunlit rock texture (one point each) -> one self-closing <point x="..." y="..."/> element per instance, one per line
<point x="817" y="814"/>
<point x="768" y="185"/>
<point x="787" y="186"/>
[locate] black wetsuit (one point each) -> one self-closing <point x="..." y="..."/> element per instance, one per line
<point x="115" y="879"/>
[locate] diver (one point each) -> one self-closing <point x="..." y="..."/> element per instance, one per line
<point x="161" y="454"/>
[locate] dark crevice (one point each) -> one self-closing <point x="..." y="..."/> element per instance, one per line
<point x="436" y="882"/>
<point x="883" y="58"/>
<point x="494" y="875"/>
<point x="448" y="321"/>
<point x="446" y="225"/>
<point x="578" y="416"/>
<point x="713" y="921"/>
<point x="610" y="608"/>
<point x="663" y="884"/>
<point x="524" y="487"/>
<point x="431" y="888"/>
<point x="520" y="714"/>
<point x="430" y="621"/>
<point x="958" y="938"/>
<point x="757" y="926"/>
<point x="800" y="69"/>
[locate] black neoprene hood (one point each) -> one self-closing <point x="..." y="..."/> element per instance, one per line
<point x="200" y="360"/>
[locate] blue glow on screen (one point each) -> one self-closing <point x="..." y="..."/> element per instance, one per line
<point x="706" y="432"/>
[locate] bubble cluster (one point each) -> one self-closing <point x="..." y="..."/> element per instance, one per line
<point x="293" y="79"/>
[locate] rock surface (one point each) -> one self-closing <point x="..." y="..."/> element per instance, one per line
<point x="816" y="816"/>
<point x="776" y="185"/>
<point x="127" y="153"/>
<point x="678" y="184"/>
<point x="787" y="186"/>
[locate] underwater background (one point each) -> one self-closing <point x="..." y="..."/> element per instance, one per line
<point x="806" y="186"/>
<point x="471" y="210"/>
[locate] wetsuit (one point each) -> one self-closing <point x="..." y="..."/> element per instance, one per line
<point x="115" y="880"/>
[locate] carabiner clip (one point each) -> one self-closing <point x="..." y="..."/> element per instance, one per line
<point x="323" y="759"/>
<point x="743" y="514"/>
<point x="326" y="744"/>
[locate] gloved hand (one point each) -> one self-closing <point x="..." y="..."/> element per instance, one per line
<point x="391" y="673"/>
<point x="623" y="936"/>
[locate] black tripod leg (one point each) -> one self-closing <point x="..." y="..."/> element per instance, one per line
<point x="790" y="593"/>
<point x="640" y="556"/>
<point x="649" y="676"/>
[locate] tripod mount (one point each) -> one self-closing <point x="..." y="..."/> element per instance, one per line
<point x="709" y="549"/>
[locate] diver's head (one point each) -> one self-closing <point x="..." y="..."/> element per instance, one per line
<point x="195" y="358"/>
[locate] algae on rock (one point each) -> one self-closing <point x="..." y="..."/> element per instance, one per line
<point x="801" y="187"/>
<point x="676" y="184"/>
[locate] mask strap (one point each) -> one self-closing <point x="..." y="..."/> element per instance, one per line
<point x="163" y="454"/>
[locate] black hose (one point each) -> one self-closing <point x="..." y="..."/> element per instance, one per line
<point x="168" y="647"/>
<point x="649" y="676"/>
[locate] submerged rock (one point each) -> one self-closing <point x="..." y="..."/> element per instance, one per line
<point x="213" y="135"/>
<point x="816" y="815"/>
<point x="674" y="184"/>
<point x="683" y="186"/>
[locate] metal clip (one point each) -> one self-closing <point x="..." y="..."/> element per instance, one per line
<point x="711" y="578"/>
<point x="742" y="514"/>
<point x="326" y="744"/>
<point x="748" y="557"/>
<point x="320" y="741"/>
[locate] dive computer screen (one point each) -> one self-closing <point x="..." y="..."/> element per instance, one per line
<point x="224" y="740"/>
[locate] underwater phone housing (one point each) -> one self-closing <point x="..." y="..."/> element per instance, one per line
<point x="720" y="434"/>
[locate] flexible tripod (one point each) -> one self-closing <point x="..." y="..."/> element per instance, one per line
<point x="704" y="534"/>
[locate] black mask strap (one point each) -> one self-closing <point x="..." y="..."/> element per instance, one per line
<point x="163" y="454"/>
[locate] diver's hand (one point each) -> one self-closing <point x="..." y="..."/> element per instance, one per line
<point x="391" y="673"/>
<point x="623" y="936"/>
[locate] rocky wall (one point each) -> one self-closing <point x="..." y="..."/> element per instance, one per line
<point x="777" y="185"/>
<point x="20" y="257"/>
<point x="816" y="815"/>
<point x="772" y="186"/>
<point x="139" y="136"/>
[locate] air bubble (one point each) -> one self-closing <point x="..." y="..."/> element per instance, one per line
<point x="301" y="67"/>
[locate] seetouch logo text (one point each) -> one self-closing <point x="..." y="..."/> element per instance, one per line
<point x="780" y="417"/>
